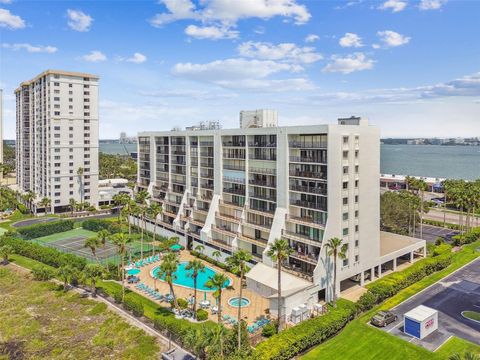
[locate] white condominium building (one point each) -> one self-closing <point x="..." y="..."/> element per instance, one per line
<point x="57" y="138"/>
<point x="243" y="188"/>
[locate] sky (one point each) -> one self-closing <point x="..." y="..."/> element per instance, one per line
<point x="411" y="66"/>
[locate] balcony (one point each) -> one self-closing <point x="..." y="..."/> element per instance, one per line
<point x="263" y="171"/>
<point x="268" y="184"/>
<point x="227" y="217"/>
<point x="168" y="213"/>
<point x="225" y="230"/>
<point x="197" y="222"/>
<point x="261" y="145"/>
<point x="266" y="197"/>
<point x="310" y="258"/>
<point x="205" y="175"/>
<point x="233" y="180"/>
<point x="308" y="189"/>
<point x="304" y="159"/>
<point x="308" y="174"/>
<point x="234" y="191"/>
<point x="206" y="143"/>
<point x="233" y="143"/>
<point x="202" y="211"/>
<point x="179" y="162"/>
<point x="297" y="273"/>
<point x="259" y="242"/>
<point x="263" y="212"/>
<point x="233" y="167"/>
<point x="307" y="221"/>
<point x="262" y="227"/>
<point x="179" y="152"/>
<point x="221" y="243"/>
<point x="206" y="164"/>
<point x="309" y="205"/>
<point x="262" y="157"/>
<point x="231" y="204"/>
<point x="300" y="238"/>
<point x="307" y="145"/>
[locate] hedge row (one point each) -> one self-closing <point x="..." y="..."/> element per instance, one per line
<point x="100" y="224"/>
<point x="468" y="237"/>
<point x="49" y="228"/>
<point x="43" y="254"/>
<point x="440" y="224"/>
<point x="133" y="304"/>
<point x="307" y="334"/>
<point x="221" y="265"/>
<point x="391" y="284"/>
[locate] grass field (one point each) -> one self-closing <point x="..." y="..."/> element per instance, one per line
<point x="66" y="235"/>
<point x="39" y="321"/>
<point x="361" y="341"/>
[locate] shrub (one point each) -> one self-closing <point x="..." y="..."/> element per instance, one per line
<point x="467" y="238"/>
<point x="293" y="341"/>
<point x="97" y="225"/>
<point x="440" y="224"/>
<point x="49" y="228"/>
<point x="202" y="315"/>
<point x="442" y="249"/>
<point x="215" y="262"/>
<point x="133" y="304"/>
<point x="182" y="303"/>
<point x="42" y="273"/>
<point x="439" y="241"/>
<point x="46" y="255"/>
<point x="269" y="330"/>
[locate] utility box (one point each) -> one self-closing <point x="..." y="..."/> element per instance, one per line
<point x="420" y="321"/>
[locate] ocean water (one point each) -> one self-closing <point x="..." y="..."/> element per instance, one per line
<point x="453" y="162"/>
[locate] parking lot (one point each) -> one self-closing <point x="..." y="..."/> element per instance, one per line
<point x="456" y="293"/>
<point x="431" y="233"/>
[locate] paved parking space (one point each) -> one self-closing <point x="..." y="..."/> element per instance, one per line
<point x="431" y="233"/>
<point x="456" y="293"/>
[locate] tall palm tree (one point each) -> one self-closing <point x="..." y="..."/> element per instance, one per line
<point x="196" y="266"/>
<point x="93" y="243"/>
<point x="45" y="203"/>
<point x="154" y="210"/>
<point x="103" y="235"/>
<point x="238" y="262"/>
<point x="80" y="172"/>
<point x="218" y="282"/>
<point x="279" y="251"/>
<point x="120" y="240"/>
<point x="141" y="198"/>
<point x="72" y="204"/>
<point x="66" y="273"/>
<point x="422" y="187"/>
<point x="29" y="197"/>
<point x="168" y="269"/>
<point x="93" y="272"/>
<point x="336" y="250"/>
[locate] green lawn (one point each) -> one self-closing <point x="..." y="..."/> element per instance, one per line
<point x="473" y="315"/>
<point x="361" y="341"/>
<point x="65" y="235"/>
<point x="40" y="321"/>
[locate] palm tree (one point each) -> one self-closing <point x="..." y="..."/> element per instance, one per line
<point x="45" y="203"/>
<point x="200" y="249"/>
<point x="216" y="255"/>
<point x="422" y="187"/>
<point x="80" y="172"/>
<point x="72" y="204"/>
<point x="168" y="269"/>
<point x="141" y="198"/>
<point x="93" y="243"/>
<point x="93" y="272"/>
<point x="5" y="252"/>
<point x="103" y="236"/>
<point x="196" y="266"/>
<point x="467" y="356"/>
<point x="217" y="282"/>
<point x="335" y="248"/>
<point x="238" y="263"/>
<point x="29" y="197"/>
<point x="66" y="273"/>
<point x="279" y="251"/>
<point x="154" y="210"/>
<point x="120" y="240"/>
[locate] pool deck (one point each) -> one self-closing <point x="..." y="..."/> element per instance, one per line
<point x="257" y="306"/>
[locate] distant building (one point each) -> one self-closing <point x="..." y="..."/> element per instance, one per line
<point x="262" y="118"/>
<point x="57" y="138"/>
<point x="123" y="138"/>
<point x="108" y="188"/>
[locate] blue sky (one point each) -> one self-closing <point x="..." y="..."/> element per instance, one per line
<point x="411" y="66"/>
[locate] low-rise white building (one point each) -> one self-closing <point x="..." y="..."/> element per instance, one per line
<point x="108" y="188"/>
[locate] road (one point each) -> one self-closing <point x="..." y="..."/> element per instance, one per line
<point x="431" y="233"/>
<point x="435" y="214"/>
<point x="455" y="293"/>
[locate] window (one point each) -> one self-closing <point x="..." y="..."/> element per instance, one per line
<point x="71" y="178"/>
<point x="345" y="231"/>
<point x="56" y="128"/>
<point x="57" y="164"/>
<point x="57" y="187"/>
<point x="86" y="100"/>
<point x="87" y="156"/>
<point x="345" y="262"/>
<point x="71" y="157"/>
<point x="70" y="128"/>
<point x="56" y="84"/>
<point x="86" y="86"/>
<point x="86" y="114"/>
<point x="56" y="76"/>
<point x="356" y="183"/>
<point x="345" y="154"/>
<point x="57" y="157"/>
<point x="345" y="201"/>
<point x="356" y="213"/>
<point x="57" y="201"/>
<point x="345" y="139"/>
<point x="345" y="216"/>
<point x="70" y="107"/>
<point x="345" y="170"/>
<point x="56" y="135"/>
<point x="70" y="136"/>
<point x="56" y="91"/>
<point x="356" y="169"/>
<point x="56" y="113"/>
<point x="57" y="194"/>
<point x="71" y="150"/>
<point x="57" y="179"/>
<point x="70" y="85"/>
<point x="57" y="172"/>
<point x="356" y="154"/>
<point x="70" y="164"/>
<point x="86" y="93"/>
<point x="356" y="228"/>
<point x="345" y="185"/>
<point x="70" y="185"/>
<point x="356" y="258"/>
<point x="71" y="192"/>
<point x="86" y="107"/>
<point x="70" y="92"/>
<point x="86" y="128"/>
<point x="56" y="150"/>
<point x="356" y="199"/>
<point x="70" y="99"/>
<point x="86" y="162"/>
<point x="56" y="98"/>
<point x="57" y="143"/>
<point x="356" y="243"/>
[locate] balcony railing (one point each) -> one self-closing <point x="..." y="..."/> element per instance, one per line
<point x="206" y="143"/>
<point x="259" y="241"/>
<point x="227" y="217"/>
<point x="224" y="230"/>
<point x="308" y="159"/>
<point x="262" y="144"/>
<point x="300" y="237"/>
<point x="234" y="191"/>
<point x="308" y="144"/>
<point x="308" y="204"/>
<point x="308" y="189"/>
<point x="306" y="220"/>
<point x="268" y="197"/>
<point x="233" y="167"/>
<point x="310" y="258"/>
<point x="231" y="204"/>
<point x="262" y="183"/>
<point x="308" y="174"/>
<point x="233" y="180"/>
<point x="262" y="157"/>
<point x="233" y="143"/>
<point x="263" y="171"/>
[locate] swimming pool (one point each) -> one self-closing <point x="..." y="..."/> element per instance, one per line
<point x="237" y="302"/>
<point x="133" y="272"/>
<point x="184" y="278"/>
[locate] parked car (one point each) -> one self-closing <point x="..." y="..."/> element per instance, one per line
<point x="383" y="318"/>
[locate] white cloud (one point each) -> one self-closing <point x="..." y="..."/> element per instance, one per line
<point x="394" y="5"/>
<point x="211" y="32"/>
<point x="468" y="85"/>
<point x="392" y="38"/>
<point x="349" y="63"/>
<point x="285" y="51"/>
<point x="95" y="56"/>
<point x="137" y="58"/>
<point x="31" y="48"/>
<point x="431" y="4"/>
<point x="79" y="21"/>
<point x="311" y="38"/>
<point x="229" y="12"/>
<point x="10" y="21"/>
<point x="190" y="94"/>
<point x="351" y="40"/>
<point x="5" y="1"/>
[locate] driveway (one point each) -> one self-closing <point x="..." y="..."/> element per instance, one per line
<point x="431" y="233"/>
<point x="457" y="292"/>
<point x="33" y="221"/>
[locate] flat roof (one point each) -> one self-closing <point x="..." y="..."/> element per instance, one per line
<point x="59" y="72"/>
<point x="420" y="313"/>
<point x="390" y="242"/>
